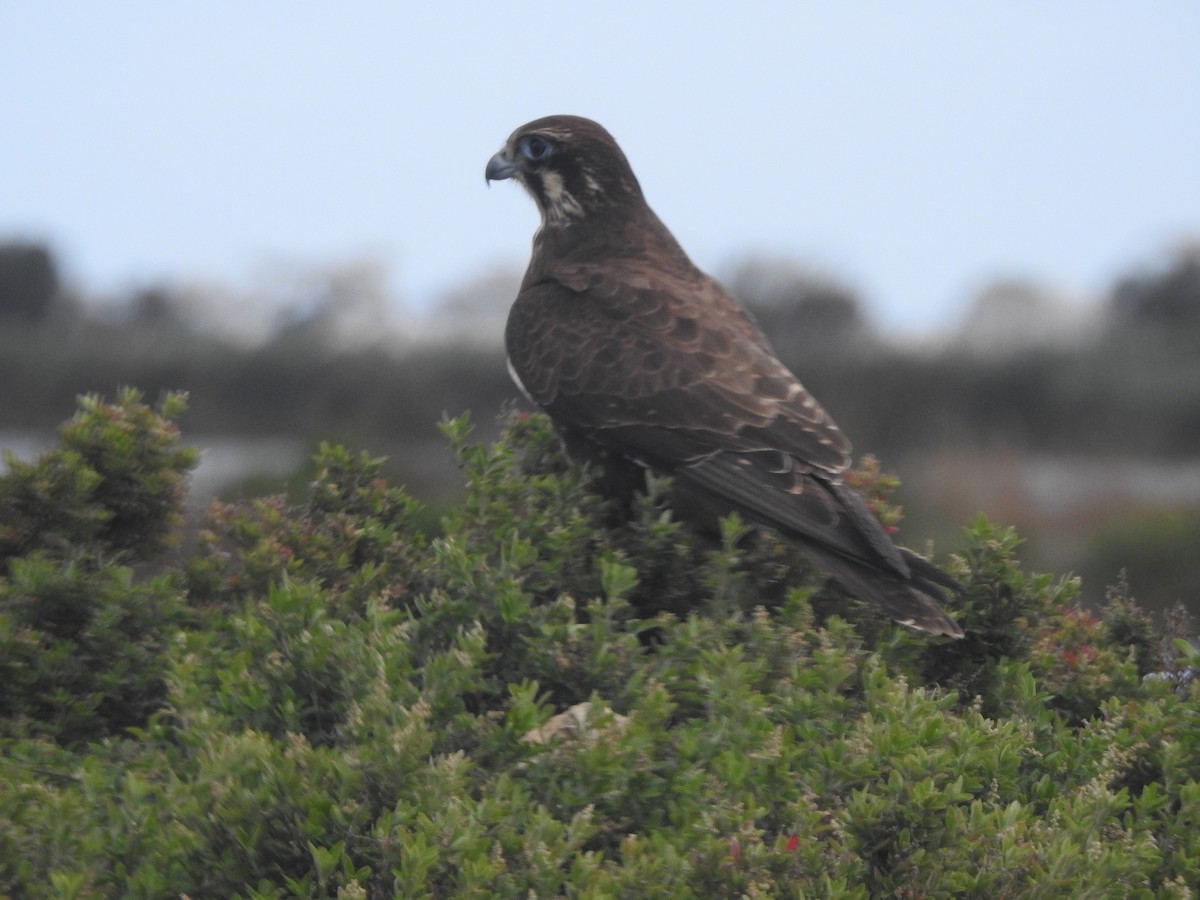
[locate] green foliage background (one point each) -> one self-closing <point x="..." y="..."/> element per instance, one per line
<point x="340" y="698"/>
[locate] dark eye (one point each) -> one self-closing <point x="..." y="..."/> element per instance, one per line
<point x="534" y="147"/>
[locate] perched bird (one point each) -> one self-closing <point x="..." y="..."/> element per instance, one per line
<point x="644" y="360"/>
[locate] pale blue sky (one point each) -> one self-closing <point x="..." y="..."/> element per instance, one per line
<point x="914" y="150"/>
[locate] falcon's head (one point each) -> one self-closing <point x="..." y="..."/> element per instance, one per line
<point x="571" y="167"/>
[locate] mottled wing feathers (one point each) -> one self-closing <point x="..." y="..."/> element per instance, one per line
<point x="802" y="507"/>
<point x="674" y="379"/>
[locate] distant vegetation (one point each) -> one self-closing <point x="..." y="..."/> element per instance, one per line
<point x="535" y="694"/>
<point x="1025" y="375"/>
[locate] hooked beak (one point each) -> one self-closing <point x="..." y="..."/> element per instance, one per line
<point x="499" y="167"/>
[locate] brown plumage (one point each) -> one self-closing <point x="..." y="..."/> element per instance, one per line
<point x="636" y="353"/>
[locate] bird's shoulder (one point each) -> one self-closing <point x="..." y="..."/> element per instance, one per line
<point x="626" y="346"/>
<point x="619" y="298"/>
<point x="601" y="316"/>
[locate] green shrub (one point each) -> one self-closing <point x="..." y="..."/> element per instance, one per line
<point x="114" y="487"/>
<point x="82" y="649"/>
<point x="359" y="703"/>
<point x="82" y="640"/>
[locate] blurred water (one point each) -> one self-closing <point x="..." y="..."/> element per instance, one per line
<point x="1017" y="486"/>
<point x="224" y="459"/>
<point x="1042" y="484"/>
<point x="1055" y="482"/>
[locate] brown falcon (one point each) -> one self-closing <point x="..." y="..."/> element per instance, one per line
<point x="636" y="353"/>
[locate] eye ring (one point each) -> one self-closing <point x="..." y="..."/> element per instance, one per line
<point x="535" y="147"/>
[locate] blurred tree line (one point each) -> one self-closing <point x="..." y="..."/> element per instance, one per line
<point x="1025" y="374"/>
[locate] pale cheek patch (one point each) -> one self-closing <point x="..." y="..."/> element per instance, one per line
<point x="561" y="206"/>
